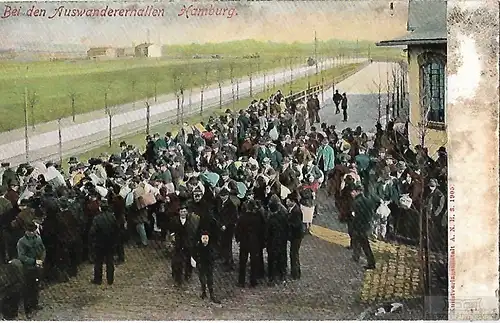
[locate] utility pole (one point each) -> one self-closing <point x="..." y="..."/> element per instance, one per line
<point x="316" y="52"/>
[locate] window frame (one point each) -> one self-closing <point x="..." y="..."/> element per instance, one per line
<point x="425" y="61"/>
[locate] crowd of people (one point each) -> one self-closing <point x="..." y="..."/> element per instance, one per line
<point x="251" y="177"/>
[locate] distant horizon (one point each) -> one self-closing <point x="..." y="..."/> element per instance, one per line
<point x="54" y="46"/>
<point x="278" y="22"/>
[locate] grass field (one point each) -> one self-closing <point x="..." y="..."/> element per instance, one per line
<point x="62" y="88"/>
<point x="239" y="48"/>
<point x="298" y="85"/>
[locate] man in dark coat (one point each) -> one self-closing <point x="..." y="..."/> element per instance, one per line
<point x="276" y="238"/>
<point x="344" y="106"/>
<point x="248" y="233"/>
<point x="8" y="174"/>
<point x="337" y="98"/>
<point x="104" y="233"/>
<point x="31" y="252"/>
<point x="7" y="215"/>
<point x="228" y="214"/>
<point x="363" y="209"/>
<point x="296" y="233"/>
<point x="435" y="208"/>
<point x="185" y="228"/>
<point x="206" y="213"/>
<point x="204" y="258"/>
<point x="11" y="288"/>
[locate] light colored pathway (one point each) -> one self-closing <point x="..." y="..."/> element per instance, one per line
<point x="362" y="91"/>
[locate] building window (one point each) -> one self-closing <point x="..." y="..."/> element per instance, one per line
<point x="433" y="87"/>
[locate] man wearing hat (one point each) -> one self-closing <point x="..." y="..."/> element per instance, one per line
<point x="31" y="252"/>
<point x="228" y="215"/>
<point x="435" y="207"/>
<point x="249" y="233"/>
<point x="7" y="214"/>
<point x="275" y="157"/>
<point x="104" y="233"/>
<point x="204" y="257"/>
<point x="7" y="174"/>
<point x="363" y="209"/>
<point x="185" y="229"/>
<point x="288" y="177"/>
<point x="325" y="157"/>
<point x="296" y="233"/>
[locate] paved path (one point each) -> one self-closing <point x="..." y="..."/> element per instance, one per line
<point x="16" y="146"/>
<point x="362" y="95"/>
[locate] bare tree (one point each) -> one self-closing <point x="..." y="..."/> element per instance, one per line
<point x="219" y="83"/>
<point x="291" y="59"/>
<point x="176" y="85"/>
<point x="108" y="112"/>
<point x="133" y="83"/>
<point x="387" y="110"/>
<point x="59" y="134"/>
<point x="204" y="86"/>
<point x="26" y="137"/>
<point x="250" y="76"/>
<point x="155" y="78"/>
<point x="231" y="76"/>
<point x="258" y="68"/>
<point x="148" y="117"/>
<point x="274" y="74"/>
<point x="33" y="101"/>
<point x="72" y="97"/>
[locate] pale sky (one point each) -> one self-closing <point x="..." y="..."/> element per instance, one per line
<point x="286" y="21"/>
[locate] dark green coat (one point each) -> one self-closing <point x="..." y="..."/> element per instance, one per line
<point x="29" y="249"/>
<point x="363" y="208"/>
<point x="8" y="176"/>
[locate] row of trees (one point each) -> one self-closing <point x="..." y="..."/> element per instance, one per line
<point x="182" y="83"/>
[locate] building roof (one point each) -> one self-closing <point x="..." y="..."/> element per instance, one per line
<point x="144" y="45"/>
<point x="100" y="48"/>
<point x="426" y="24"/>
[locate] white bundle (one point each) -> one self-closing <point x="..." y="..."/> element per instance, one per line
<point x="284" y="192"/>
<point x="273" y="134"/>
<point x="383" y="210"/>
<point x="101" y="190"/>
<point x="405" y="200"/>
<point x="54" y="177"/>
<point x="124" y="191"/>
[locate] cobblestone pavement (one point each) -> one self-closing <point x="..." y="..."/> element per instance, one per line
<point x="397" y="275"/>
<point x="144" y="290"/>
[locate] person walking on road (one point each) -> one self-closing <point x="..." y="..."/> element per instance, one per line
<point x="344" y="106"/>
<point x="337" y="98"/>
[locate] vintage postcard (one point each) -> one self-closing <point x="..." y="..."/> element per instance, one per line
<point x="249" y="160"/>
